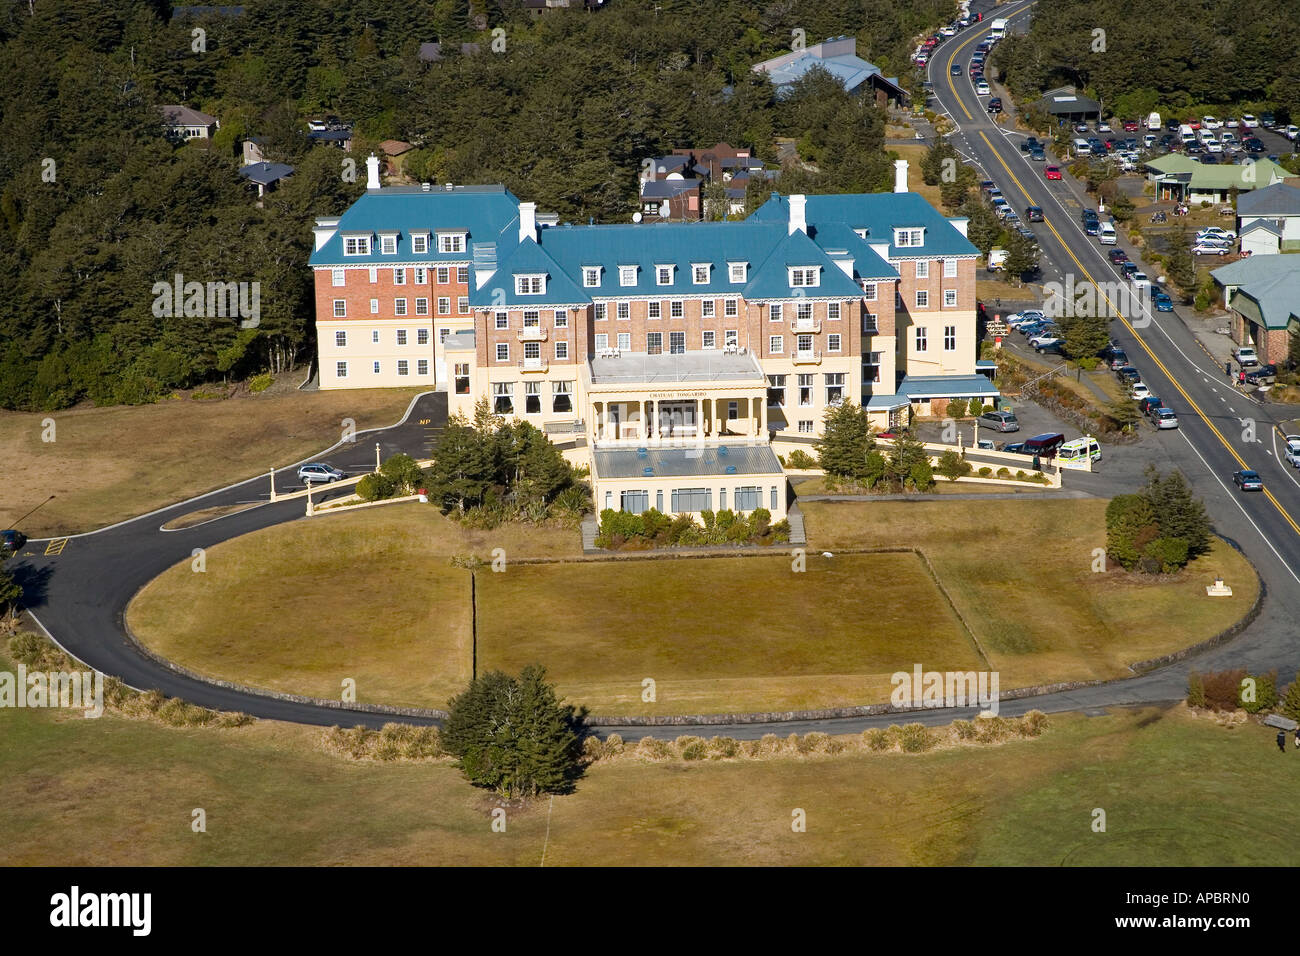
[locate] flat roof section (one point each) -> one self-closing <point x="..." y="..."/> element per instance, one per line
<point x="709" y="461"/>
<point x="713" y="365"/>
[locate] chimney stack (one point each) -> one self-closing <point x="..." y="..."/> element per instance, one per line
<point x="372" y="171"/>
<point x="527" y="221"/>
<point x="798" y="213"/>
<point x="900" y="175"/>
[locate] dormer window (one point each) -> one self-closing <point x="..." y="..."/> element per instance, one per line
<point x="591" y="276"/>
<point x="627" y="275"/>
<point x="805" y="276"/>
<point x="420" y="244"/>
<point x="700" y="272"/>
<point x="861" y="233"/>
<point x="451" y="242"/>
<point x="388" y="245"/>
<point x="530" y="285"/>
<point x="909" y="238"/>
<point x="664" y="275"/>
<point x="356" y="246"/>
<point x="738" y="271"/>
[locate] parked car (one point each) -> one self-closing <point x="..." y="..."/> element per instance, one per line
<point x="1029" y="143"/>
<point x="11" y="540"/>
<point x="1210" y="122"/>
<point x="1148" y="405"/>
<point x="1052" y="172"/>
<point x="1138" y="390"/>
<point x="1216" y="232"/>
<point x="1028" y="315"/>
<point x="1038" y="154"/>
<point x="1165" y="418"/>
<point x="1117" y="256"/>
<point x="320" y="472"/>
<point x="1245" y="356"/>
<point x="1129" y="269"/>
<point x="1163" y="302"/>
<point x="1248" y="480"/>
<point x="1140" y="280"/>
<point x="1045" y="340"/>
<point x="1262" y="375"/>
<point x="1116" y="358"/>
<point x="995" y="105"/>
<point x="1000" y="421"/>
<point x="982" y="88"/>
<point x="1292" y="454"/>
<point x="1211" y="249"/>
<point x="1043" y="445"/>
<point x="1267" y="120"/>
<point x="1128" y="374"/>
<point x="1249" y="121"/>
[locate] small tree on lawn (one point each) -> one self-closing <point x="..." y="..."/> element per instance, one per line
<point x="846" y="441"/>
<point x="1290" y="704"/>
<point x="1124" y="414"/>
<point x="1179" y="514"/>
<point x="1085" y="336"/>
<point x="404" y="473"/>
<point x="464" y="466"/>
<point x="1180" y="265"/>
<point x="513" y="735"/>
<point x="907" y="454"/>
<point x="952" y="465"/>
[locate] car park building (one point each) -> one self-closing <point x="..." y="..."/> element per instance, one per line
<point x="664" y="342"/>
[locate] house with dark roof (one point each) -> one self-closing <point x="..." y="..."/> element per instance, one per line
<point x="1183" y="178"/>
<point x="1067" y="106"/>
<point x="838" y="56"/>
<point x="672" y="186"/>
<point x="265" y="176"/>
<point x="1263" y="293"/>
<point x="1268" y="219"/>
<point x="645" y="350"/>
<point x="185" y="123"/>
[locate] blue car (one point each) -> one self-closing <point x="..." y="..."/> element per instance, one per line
<point x="1163" y="302"/>
<point x="1248" y="480"/>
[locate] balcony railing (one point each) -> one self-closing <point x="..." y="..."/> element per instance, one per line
<point x="533" y="364"/>
<point x="807" y="357"/>
<point x="807" y="325"/>
<point x="532" y="334"/>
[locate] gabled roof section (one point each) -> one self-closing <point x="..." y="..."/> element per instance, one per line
<point x="771" y="280"/>
<point x="1273" y="302"/>
<point x="265" y="173"/>
<point x="879" y="214"/>
<point x="1255" y="269"/>
<point x="528" y="258"/>
<point x="486" y="213"/>
<point x="834" y="237"/>
<point x="1280" y="199"/>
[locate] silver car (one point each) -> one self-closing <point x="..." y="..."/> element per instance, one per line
<point x="1165" y="418"/>
<point x="1000" y="421"/>
<point x="320" y="472"/>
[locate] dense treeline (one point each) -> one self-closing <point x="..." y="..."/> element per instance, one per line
<point x="96" y="206"/>
<point x="1172" y="55"/>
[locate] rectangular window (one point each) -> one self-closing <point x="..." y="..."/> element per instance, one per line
<point x="923" y="268"/>
<point x="462" y="378"/>
<point x="356" y="246"/>
<point x="503" y="351"/>
<point x="775" y="311"/>
<point x="532" y="319"/>
<point x="374" y="306"/>
<point x="421" y="275"/>
<point x="805" y="343"/>
<point x="442" y="335"/>
<point x="374" y="274"/>
<point x="731" y="337"/>
<point x="950" y="338"/>
<point x="832" y="310"/>
<point x="602" y="341"/>
<point x="805" y="391"/>
<point x="805" y="426"/>
<point x="869" y="291"/>
<point x="562" y="396"/>
<point x="444" y="305"/>
<point x="422" y="367"/>
<point x="454" y="243"/>
<point x="730" y="307"/>
<point x="922" y="299"/>
<point x="399" y="307"/>
<point x="633" y="502"/>
<point x="341" y="369"/>
<point x="803" y="311"/>
<point x="529" y="285"/>
<point x="733" y="412"/>
<point x="652" y="310"/>
<point x="340" y="308"/>
<point x="561" y="350"/>
<point x="950" y="268"/>
<point x="462" y="305"/>
<point x="503" y="318"/>
<point x="664" y="275"/>
<point x="654" y="343"/>
<point x="834" y="388"/>
<point x="677" y="343"/>
<point x="625" y="341"/>
<point x="388" y="245"/>
<point x="776" y="391"/>
<point x="908" y="238"/>
<point x="776" y="344"/>
<point x="444" y="275"/>
<point x="403" y="367"/>
<point x="736" y="271"/>
<point x="700" y="273"/>
<point x="421" y="306"/>
<point x="625" y="310"/>
<point x="920" y="338"/>
<point x="691" y="499"/>
<point x="336" y="276"/>
<point x="748" y="497"/>
<point x="532" y="398"/>
<point x="532" y="350"/>
<point x="341" y="339"/>
<point x="422" y="336"/>
<point x="591" y="276"/>
<point x="950" y="298"/>
<point x="374" y="336"/>
<point x="676" y="310"/>
<point x="709" y="339"/>
<point x="420" y="244"/>
<point x="401" y="336"/>
<point x="708" y="308"/>
<point x="869" y="326"/>
<point x="462" y="274"/>
<point x="627" y="275"/>
<point x="833" y="342"/>
<point x="804" y="277"/>
<point x="871" y="368"/>
<point x="503" y="395"/>
<point x="600" y="311"/>
<point x="399" y="277"/>
<point x="376" y="367"/>
<point x="561" y="319"/>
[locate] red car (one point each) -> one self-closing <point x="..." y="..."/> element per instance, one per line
<point x="1052" y="172"/>
<point x="1130" y="126"/>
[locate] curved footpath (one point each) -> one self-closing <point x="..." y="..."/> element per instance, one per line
<point x="79" y="598"/>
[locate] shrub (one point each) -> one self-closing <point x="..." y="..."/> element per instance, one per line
<point x="1265" y="694"/>
<point x="813" y="743"/>
<point x="1223" y="689"/>
<point x="1003" y="472"/>
<point x="992" y="729"/>
<point x="652" y="748"/>
<point x="613" y="746"/>
<point x="573" y="501"/>
<point x="1020" y="474"/>
<point x="260" y="383"/>
<point x="985" y="472"/>
<point x="953" y="466"/>
<point x="1169" y="553"/>
<point x="915" y="738"/>
<point x="781" y="531"/>
<point x="1032" y="724"/>
<point x="405" y="475"/>
<point x="692" y="748"/>
<point x="964" y="729"/>
<point x="769" y="744"/>
<point x="1290" y="705"/>
<point x="800" y="459"/>
<point x="724" y="748"/>
<point x="760" y="521"/>
<point x="922" y="476"/>
<point x="375" y="487"/>
<point x="876" y="739"/>
<point x="1196" y="690"/>
<point x="654" y="523"/>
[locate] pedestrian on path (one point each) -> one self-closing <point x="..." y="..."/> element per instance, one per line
<point x="1227" y="370"/>
<point x="1281" y="740"/>
<point x="1241" y="378"/>
<point x="1297" y="738"/>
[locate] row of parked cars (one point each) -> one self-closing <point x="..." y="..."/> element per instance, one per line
<point x="1007" y="215"/>
<point x="1151" y="405"/>
<point x="1161" y="299"/>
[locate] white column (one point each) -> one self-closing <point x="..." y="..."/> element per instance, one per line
<point x="699" y="420"/>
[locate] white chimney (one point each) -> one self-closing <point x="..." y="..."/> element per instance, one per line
<point x="960" y="223"/>
<point x="900" y="175"/>
<point x="372" y="171"/>
<point x="527" y="221"/>
<point x="798" y="213"/>
<point x="845" y="264"/>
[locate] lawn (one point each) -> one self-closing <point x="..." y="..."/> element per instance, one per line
<point x="1177" y="790"/>
<point x="717" y="634"/>
<point x="109" y="464"/>
<point x="1020" y="572"/>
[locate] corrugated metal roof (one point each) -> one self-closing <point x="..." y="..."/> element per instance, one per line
<point x="1279" y="199"/>
<point x="946" y="386"/>
<point x="878" y="213"/>
<point x="706" y="462"/>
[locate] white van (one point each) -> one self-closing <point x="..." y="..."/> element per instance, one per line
<point x="1106" y="234"/>
<point x="1081" y="148"/>
<point x="1079" y="453"/>
<point x="1186" y="134"/>
<point x="1153" y="122"/>
<point x="998" y="29"/>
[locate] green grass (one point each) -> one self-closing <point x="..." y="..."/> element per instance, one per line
<point x="1177" y="790"/>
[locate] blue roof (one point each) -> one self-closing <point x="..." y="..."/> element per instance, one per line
<point x="707" y="462"/>
<point x="486" y="213"/>
<point x="916" y="387"/>
<point x="528" y="258"/>
<point x="878" y="213"/>
<point x="666" y="188"/>
<point x="330" y="135"/>
<point x="266" y="173"/>
<point x="772" y="278"/>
